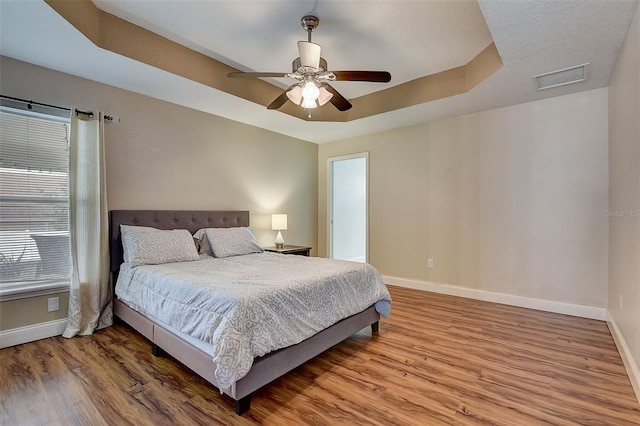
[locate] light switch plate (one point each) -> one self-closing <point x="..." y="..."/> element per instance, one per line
<point x="53" y="304"/>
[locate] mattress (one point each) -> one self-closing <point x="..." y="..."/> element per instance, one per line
<point x="247" y="306"/>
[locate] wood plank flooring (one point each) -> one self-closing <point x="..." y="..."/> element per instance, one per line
<point x="438" y="360"/>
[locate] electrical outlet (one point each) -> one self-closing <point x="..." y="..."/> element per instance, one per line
<point x="430" y="263"/>
<point x="53" y="304"/>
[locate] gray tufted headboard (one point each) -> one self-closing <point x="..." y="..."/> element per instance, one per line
<point x="191" y="220"/>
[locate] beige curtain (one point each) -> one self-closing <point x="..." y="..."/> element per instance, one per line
<point x="90" y="299"/>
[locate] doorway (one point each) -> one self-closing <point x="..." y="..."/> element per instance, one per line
<point x="348" y="207"/>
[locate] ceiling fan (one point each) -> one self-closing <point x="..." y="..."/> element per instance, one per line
<point x="311" y="72"/>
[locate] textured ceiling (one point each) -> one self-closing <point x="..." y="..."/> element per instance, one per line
<point x="410" y="39"/>
<point x="262" y="36"/>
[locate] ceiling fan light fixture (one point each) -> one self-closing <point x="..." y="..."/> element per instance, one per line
<point x="309" y="54"/>
<point x="312" y="74"/>
<point x="325" y="96"/>
<point x="295" y="95"/>
<point x="309" y="103"/>
<point x="310" y="90"/>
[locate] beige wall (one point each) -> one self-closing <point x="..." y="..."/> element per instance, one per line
<point x="24" y="312"/>
<point x="164" y="156"/>
<point x="624" y="194"/>
<point x="510" y="200"/>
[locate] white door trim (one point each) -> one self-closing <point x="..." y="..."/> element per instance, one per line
<point x="330" y="162"/>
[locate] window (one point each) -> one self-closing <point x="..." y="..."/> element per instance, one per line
<point x="34" y="203"/>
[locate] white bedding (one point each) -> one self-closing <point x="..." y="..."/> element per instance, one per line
<point x="247" y="306"/>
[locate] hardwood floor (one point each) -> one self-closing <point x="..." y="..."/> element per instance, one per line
<point x="437" y="360"/>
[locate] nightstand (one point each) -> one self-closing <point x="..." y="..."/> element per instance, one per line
<point x="298" y="250"/>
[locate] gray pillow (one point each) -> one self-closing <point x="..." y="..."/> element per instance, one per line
<point x="150" y="246"/>
<point x="226" y="242"/>
<point x="203" y="243"/>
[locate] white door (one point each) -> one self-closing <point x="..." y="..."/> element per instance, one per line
<point x="348" y="207"/>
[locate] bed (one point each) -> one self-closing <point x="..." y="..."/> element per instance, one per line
<point x="193" y="353"/>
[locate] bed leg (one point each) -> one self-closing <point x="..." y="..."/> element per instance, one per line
<point x="243" y="405"/>
<point x="157" y="350"/>
<point x="375" y="327"/>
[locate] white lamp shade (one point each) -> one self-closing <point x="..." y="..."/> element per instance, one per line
<point x="279" y="222"/>
<point x="309" y="103"/>
<point x="324" y="96"/>
<point x="295" y="95"/>
<point x="310" y="93"/>
<point x="309" y="54"/>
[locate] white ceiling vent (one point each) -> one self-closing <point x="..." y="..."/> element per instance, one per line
<point x="562" y="77"/>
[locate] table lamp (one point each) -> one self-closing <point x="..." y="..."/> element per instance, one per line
<point x="279" y="223"/>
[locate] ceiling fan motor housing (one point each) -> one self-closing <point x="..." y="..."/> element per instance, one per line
<point x="296" y="64"/>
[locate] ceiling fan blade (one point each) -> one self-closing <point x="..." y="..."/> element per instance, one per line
<point x="280" y="100"/>
<point x="338" y="100"/>
<point x="373" y="76"/>
<point x="241" y="74"/>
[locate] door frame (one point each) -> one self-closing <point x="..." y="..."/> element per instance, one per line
<point x="330" y="162"/>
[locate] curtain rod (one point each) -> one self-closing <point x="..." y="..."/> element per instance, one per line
<point x="29" y="103"/>
<point x="77" y="111"/>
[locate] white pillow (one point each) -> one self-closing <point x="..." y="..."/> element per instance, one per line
<point x="226" y="242"/>
<point x="150" y="246"/>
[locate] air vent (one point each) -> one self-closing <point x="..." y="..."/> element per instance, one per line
<point x="562" y="77"/>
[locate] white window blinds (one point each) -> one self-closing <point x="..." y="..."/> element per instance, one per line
<point x="34" y="202"/>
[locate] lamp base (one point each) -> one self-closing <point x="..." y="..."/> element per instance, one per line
<point x="279" y="241"/>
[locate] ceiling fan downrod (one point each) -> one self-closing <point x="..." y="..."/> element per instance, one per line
<point x="309" y="23"/>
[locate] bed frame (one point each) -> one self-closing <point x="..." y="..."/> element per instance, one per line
<point x="265" y="369"/>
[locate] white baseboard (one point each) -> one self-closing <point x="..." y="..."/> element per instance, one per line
<point x="592" y="312"/>
<point x="30" y="333"/>
<point x="633" y="369"/>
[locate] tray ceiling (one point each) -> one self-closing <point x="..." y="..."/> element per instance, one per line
<point x="411" y="39"/>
